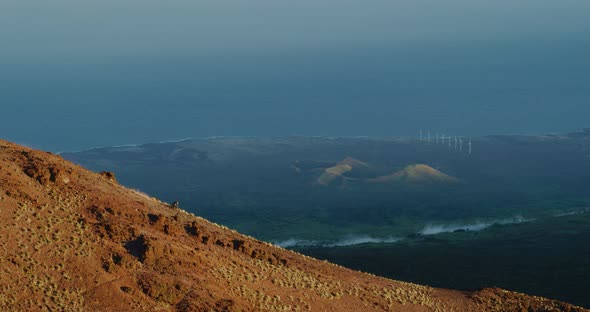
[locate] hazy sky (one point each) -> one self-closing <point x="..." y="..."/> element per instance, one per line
<point x="82" y="29"/>
<point x="79" y="73"/>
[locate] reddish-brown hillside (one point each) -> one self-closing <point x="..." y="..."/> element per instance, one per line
<point x="74" y="240"/>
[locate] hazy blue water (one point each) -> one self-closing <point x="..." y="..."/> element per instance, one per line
<point x="466" y="88"/>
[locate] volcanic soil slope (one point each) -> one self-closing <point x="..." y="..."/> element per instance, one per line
<point x="73" y="240"/>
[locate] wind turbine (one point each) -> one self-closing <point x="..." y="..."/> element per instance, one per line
<point x="460" y="145"/>
<point x="469" y="146"/>
<point x="456" y="141"/>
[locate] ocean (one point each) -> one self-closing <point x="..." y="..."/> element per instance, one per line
<point x="467" y="89"/>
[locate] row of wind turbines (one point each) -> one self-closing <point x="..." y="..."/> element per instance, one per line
<point x="443" y="139"/>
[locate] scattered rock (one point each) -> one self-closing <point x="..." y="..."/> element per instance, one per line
<point x="109" y="176"/>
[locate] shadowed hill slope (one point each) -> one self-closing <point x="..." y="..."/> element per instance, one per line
<point x="75" y="240"/>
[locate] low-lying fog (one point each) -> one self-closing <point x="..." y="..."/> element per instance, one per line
<point x="433" y="229"/>
<point x="430" y="229"/>
<point x="347" y="241"/>
<point x="350" y="240"/>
